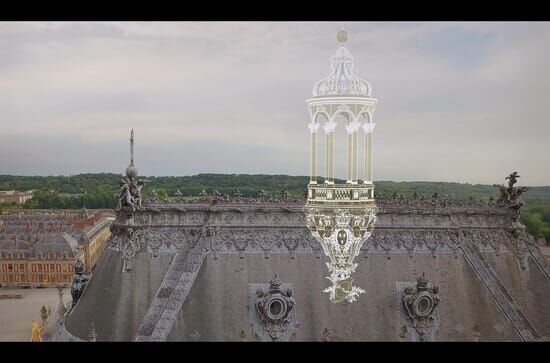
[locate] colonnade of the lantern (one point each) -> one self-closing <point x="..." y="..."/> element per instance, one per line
<point x="352" y="130"/>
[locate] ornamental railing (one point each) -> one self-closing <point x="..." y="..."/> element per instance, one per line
<point x="338" y="193"/>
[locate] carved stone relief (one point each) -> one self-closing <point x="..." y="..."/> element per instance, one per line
<point x="272" y="310"/>
<point x="419" y="303"/>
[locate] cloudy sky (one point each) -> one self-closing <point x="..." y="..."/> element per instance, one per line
<point x="459" y="102"/>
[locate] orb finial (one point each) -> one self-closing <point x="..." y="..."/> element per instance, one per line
<point x="342" y="36"/>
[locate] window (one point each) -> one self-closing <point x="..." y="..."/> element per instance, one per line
<point x="16" y="267"/>
<point x="23" y="278"/>
<point x="59" y="278"/>
<point x="10" y="268"/>
<point x="34" y="278"/>
<point x="22" y="267"/>
<point x="64" y="267"/>
<point x="52" y="267"/>
<point x="40" y="268"/>
<point x="46" y="267"/>
<point x="33" y="267"/>
<point x="16" y="278"/>
<point x="58" y="267"/>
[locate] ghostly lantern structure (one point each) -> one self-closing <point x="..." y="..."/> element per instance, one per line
<point x="342" y="216"/>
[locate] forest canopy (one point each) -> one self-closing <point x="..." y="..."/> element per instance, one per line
<point x="99" y="191"/>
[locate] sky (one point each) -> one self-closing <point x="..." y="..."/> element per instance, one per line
<point x="462" y="102"/>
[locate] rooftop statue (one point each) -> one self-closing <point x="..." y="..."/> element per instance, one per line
<point x="510" y="197"/>
<point x="153" y="196"/>
<point x="512" y="179"/>
<point x="36" y="335"/>
<point x="79" y="282"/>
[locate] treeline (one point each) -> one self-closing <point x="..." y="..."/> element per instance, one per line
<point x="95" y="189"/>
<point x="74" y="184"/>
<point x="99" y="191"/>
<point x="537" y="221"/>
<point x="47" y="199"/>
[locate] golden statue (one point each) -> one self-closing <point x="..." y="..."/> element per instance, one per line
<point x="36" y="332"/>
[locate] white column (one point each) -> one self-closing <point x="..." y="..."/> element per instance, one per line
<point x="368" y="128"/>
<point x="355" y="157"/>
<point x="329" y="128"/>
<point x="313" y="127"/>
<point x="352" y="128"/>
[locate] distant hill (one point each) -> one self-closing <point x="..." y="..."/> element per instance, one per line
<point x="98" y="191"/>
<point x="248" y="184"/>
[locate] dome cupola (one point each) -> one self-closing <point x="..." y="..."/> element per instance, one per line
<point x="342" y="81"/>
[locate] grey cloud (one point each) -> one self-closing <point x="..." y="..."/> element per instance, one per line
<point x="229" y="97"/>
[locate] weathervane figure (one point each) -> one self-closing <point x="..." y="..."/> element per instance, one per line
<point x="512" y="179"/>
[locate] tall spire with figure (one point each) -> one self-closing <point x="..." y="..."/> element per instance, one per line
<point x="129" y="195"/>
<point x="131" y="170"/>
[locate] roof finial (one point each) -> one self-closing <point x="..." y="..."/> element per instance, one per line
<point x="132" y="148"/>
<point x="342" y="36"/>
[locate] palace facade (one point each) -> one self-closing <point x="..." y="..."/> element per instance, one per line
<point x="13" y="196"/>
<point x="40" y="248"/>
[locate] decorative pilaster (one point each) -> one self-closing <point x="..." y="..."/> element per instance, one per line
<point x="313" y="128"/>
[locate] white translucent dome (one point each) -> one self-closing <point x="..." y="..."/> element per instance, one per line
<point x="342" y="81"/>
